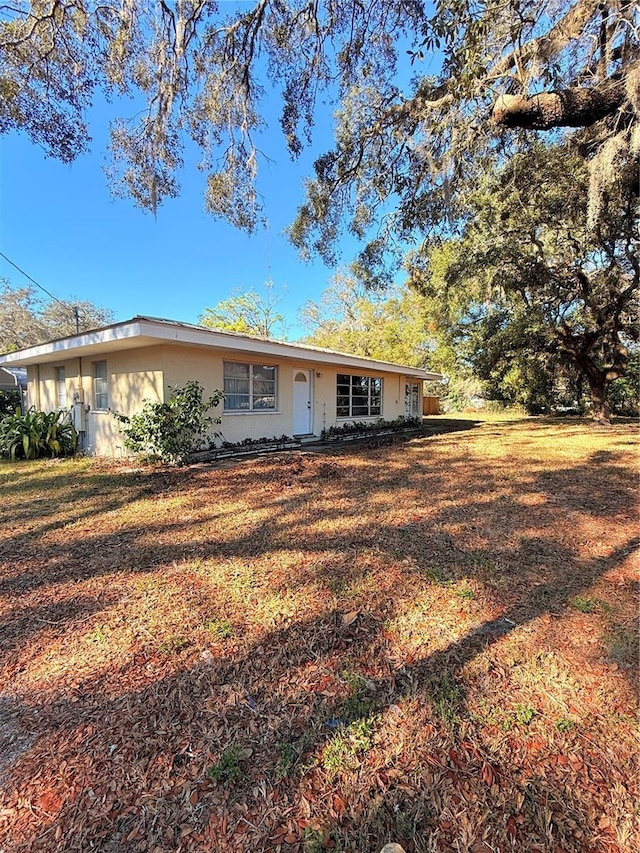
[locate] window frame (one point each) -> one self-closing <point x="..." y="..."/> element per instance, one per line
<point x="100" y="396"/>
<point x="371" y="395"/>
<point x="251" y="394"/>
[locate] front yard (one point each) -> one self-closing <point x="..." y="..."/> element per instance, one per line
<point x="432" y="642"/>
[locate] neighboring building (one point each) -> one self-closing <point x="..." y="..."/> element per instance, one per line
<point x="14" y="379"/>
<point x="271" y="387"/>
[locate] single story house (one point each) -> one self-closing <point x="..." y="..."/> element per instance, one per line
<point x="271" y="388"/>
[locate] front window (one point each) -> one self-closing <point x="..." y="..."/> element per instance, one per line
<point x="249" y="387"/>
<point x="358" y="396"/>
<point x="100" y="385"/>
<point x="61" y="388"/>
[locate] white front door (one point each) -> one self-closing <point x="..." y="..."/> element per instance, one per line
<point x="302" y="405"/>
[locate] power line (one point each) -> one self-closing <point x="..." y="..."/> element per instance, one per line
<point x="44" y="290"/>
<point x="26" y="275"/>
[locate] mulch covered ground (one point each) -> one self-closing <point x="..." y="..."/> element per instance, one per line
<point x="432" y="642"/>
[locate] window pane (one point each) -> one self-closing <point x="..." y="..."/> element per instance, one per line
<point x="359" y="382"/>
<point x="61" y="388"/>
<point x="264" y="372"/>
<point x="264" y="402"/>
<point x="343" y="379"/>
<point x="376" y="386"/>
<point x="233" y="402"/>
<point x="100" y="386"/>
<point x="236" y="386"/>
<point x="376" y="410"/>
<point x="238" y="371"/>
<point x="360" y="410"/>
<point x="343" y="411"/>
<point x="263" y="386"/>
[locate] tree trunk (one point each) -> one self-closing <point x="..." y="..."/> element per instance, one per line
<point x="601" y="410"/>
<point x="598" y="388"/>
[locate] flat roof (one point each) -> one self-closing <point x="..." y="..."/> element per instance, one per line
<point x="144" y="331"/>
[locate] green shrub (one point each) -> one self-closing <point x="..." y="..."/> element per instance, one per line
<point x="379" y="425"/>
<point x="9" y="401"/>
<point x="173" y="430"/>
<point x="36" y="434"/>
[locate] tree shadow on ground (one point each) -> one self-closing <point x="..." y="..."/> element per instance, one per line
<point x="167" y="735"/>
<point x="313" y="698"/>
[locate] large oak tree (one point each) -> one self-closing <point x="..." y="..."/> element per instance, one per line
<point x="204" y="70"/>
<point x="529" y="284"/>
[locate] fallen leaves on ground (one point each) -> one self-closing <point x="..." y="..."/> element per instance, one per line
<point x="432" y="642"/>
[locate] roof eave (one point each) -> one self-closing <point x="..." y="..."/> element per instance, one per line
<point x="149" y="330"/>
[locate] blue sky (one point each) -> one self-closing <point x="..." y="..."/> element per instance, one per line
<point x="60" y="224"/>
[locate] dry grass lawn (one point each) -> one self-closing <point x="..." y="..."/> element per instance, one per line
<point x="432" y="642"/>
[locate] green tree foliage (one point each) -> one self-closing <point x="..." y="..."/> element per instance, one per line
<point x="171" y="431"/>
<point x="349" y="319"/>
<point x="205" y="71"/>
<point x="26" y="320"/>
<point x="529" y="289"/>
<point x="247" y="312"/>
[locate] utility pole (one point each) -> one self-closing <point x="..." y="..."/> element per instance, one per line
<point x="76" y="314"/>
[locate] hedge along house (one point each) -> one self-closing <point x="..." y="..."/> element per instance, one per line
<point x="271" y="387"/>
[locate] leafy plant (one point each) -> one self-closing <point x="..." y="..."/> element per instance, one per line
<point x="584" y="603"/>
<point x="222" y="629"/>
<point x="358" y="704"/>
<point x="227" y="769"/>
<point x="435" y="574"/>
<point x="523" y="714"/>
<point x="171" y="431"/>
<point x="274" y="441"/>
<point x="379" y="425"/>
<point x="465" y="592"/>
<point x="313" y="840"/>
<point x="290" y="753"/>
<point x="99" y="635"/>
<point x="37" y="434"/>
<point x="342" y="752"/>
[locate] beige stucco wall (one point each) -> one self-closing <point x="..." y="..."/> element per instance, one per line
<point x="133" y="375"/>
<point x="207" y="367"/>
<point x="148" y="372"/>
